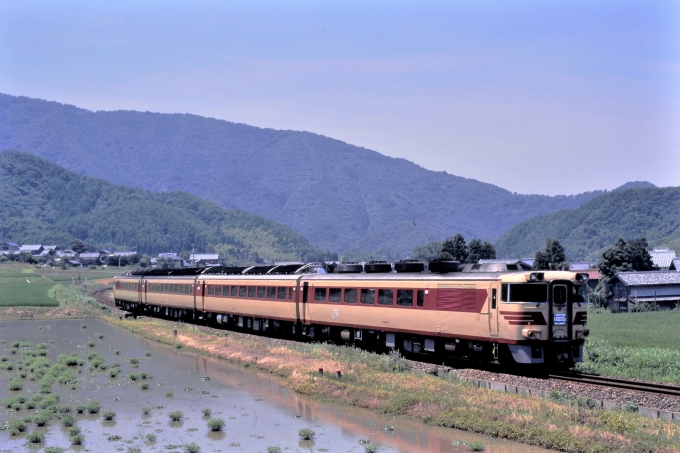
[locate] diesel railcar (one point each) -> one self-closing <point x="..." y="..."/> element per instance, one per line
<point x="480" y="312"/>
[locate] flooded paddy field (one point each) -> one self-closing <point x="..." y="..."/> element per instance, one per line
<point x="145" y="383"/>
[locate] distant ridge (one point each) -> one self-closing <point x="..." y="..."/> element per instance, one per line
<point x="339" y="196"/>
<point x="43" y="203"/>
<point x="585" y="231"/>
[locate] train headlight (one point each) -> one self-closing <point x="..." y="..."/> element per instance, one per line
<point x="536" y="276"/>
<point x="531" y="334"/>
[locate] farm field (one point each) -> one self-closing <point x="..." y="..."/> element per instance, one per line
<point x="22" y="285"/>
<point x="634" y="345"/>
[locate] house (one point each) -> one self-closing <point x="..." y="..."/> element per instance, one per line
<point x="88" y="258"/>
<point x="74" y="263"/>
<point x="662" y="258"/>
<point x="34" y="249"/>
<point x="655" y="287"/>
<point x="582" y="265"/>
<point x="675" y="265"/>
<point x="103" y="254"/>
<point x="205" y="259"/>
<point x="66" y="254"/>
<point x="9" y="247"/>
<point x="173" y="258"/>
<point x="123" y="254"/>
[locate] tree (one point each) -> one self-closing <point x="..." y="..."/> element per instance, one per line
<point x="552" y="258"/>
<point x="488" y="251"/>
<point x="454" y="248"/>
<point x="427" y="252"/>
<point x="78" y="246"/>
<point x="626" y="256"/>
<point x="480" y="251"/>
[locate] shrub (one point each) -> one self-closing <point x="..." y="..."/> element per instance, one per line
<point x="93" y="407"/>
<point x="476" y="446"/>
<point x="216" y="424"/>
<point x="206" y="412"/>
<point x="78" y="439"/>
<point x="176" y="416"/>
<point x="36" y="437"/>
<point x="306" y="433"/>
<point x="15" y="384"/>
<point x="192" y="448"/>
<point x="109" y="415"/>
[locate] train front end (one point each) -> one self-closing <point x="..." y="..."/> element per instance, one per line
<point x="544" y="315"/>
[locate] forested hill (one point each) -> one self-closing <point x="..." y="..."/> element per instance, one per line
<point x="45" y="204"/>
<point x="650" y="212"/>
<point x="338" y="195"/>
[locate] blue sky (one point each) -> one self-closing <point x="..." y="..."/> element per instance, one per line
<point x="536" y="97"/>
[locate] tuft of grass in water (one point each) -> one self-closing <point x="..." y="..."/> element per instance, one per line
<point x="133" y="376"/>
<point x="274" y="449"/>
<point x="15" y="384"/>
<point x="78" y="439"/>
<point x="113" y="372"/>
<point x="192" y="448"/>
<point x="151" y="438"/>
<point x="53" y="450"/>
<point x="370" y="447"/>
<point x="68" y="420"/>
<point x="169" y="394"/>
<point x="216" y="424"/>
<point x="117" y="352"/>
<point x="146" y="410"/>
<point x="84" y="326"/>
<point x="73" y="431"/>
<point x="93" y="407"/>
<point x="35" y="437"/>
<point x="178" y="345"/>
<point x="306" y="433"/>
<point x="16" y="426"/>
<point x="90" y="343"/>
<point x="134" y="362"/>
<point x="80" y="408"/>
<point x="109" y="415"/>
<point x="42" y="417"/>
<point x="206" y="412"/>
<point x="476" y="446"/>
<point x="100" y="336"/>
<point x="147" y="353"/>
<point x="176" y="416"/>
<point x="143" y="385"/>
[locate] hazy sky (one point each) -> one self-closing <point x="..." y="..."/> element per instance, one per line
<point x="536" y="97"/>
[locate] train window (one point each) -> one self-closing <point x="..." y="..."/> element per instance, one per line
<point x="493" y="299"/>
<point x="242" y="290"/>
<point x="261" y="292"/>
<point x="252" y="291"/>
<point x="218" y="290"/>
<point x="290" y="293"/>
<point x="367" y="296"/>
<point x="225" y="290"/>
<point x="234" y="291"/>
<point x="579" y="293"/>
<point x="421" y="297"/>
<point x="528" y="292"/>
<point x="350" y="296"/>
<point x="335" y="294"/>
<point x="504" y="292"/>
<point x="176" y="290"/>
<point x="385" y="296"/>
<point x="211" y="290"/>
<point x="405" y="297"/>
<point x="271" y="292"/>
<point x="320" y="294"/>
<point x="282" y="293"/>
<point x="559" y="294"/>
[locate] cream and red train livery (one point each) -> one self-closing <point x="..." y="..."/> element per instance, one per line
<point x="522" y="317"/>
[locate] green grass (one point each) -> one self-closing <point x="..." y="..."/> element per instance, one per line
<point x="634" y="345"/>
<point x="18" y="292"/>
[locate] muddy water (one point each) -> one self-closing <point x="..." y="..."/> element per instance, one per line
<point x="258" y="411"/>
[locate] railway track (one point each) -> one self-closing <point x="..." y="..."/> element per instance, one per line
<point x="648" y="387"/>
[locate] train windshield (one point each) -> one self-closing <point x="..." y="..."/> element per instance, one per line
<point x="525" y="292"/>
<point x="579" y="293"/>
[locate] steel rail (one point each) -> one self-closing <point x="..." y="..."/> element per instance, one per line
<point x="625" y="384"/>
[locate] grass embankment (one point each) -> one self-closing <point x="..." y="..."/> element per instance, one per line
<point x="634" y="345"/>
<point x="386" y="385"/>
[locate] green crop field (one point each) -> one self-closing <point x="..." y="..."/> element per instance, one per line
<point x="27" y="290"/>
<point x="634" y="345"/>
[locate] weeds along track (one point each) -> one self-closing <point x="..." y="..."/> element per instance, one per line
<point x="625" y="384"/>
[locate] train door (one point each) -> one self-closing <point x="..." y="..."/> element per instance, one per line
<point x="560" y="316"/>
<point x="305" y="303"/>
<point x="493" y="311"/>
<point x="140" y="290"/>
<point x="199" y="299"/>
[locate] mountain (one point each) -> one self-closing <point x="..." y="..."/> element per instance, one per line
<point x="44" y="203"/>
<point x="338" y="195"/>
<point x="585" y="231"/>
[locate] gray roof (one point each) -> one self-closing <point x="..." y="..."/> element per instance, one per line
<point x="89" y="255"/>
<point x="124" y="253"/>
<point x="30" y="248"/>
<point x="654" y="299"/>
<point x="582" y="265"/>
<point x="675" y="264"/>
<point x="662" y="257"/>
<point x="205" y="256"/>
<point x="648" y="278"/>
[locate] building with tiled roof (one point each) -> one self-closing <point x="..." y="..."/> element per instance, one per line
<point x="675" y="265"/>
<point x="662" y="258"/>
<point x="657" y="287"/>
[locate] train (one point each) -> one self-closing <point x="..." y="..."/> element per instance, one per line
<point x="481" y="312"/>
